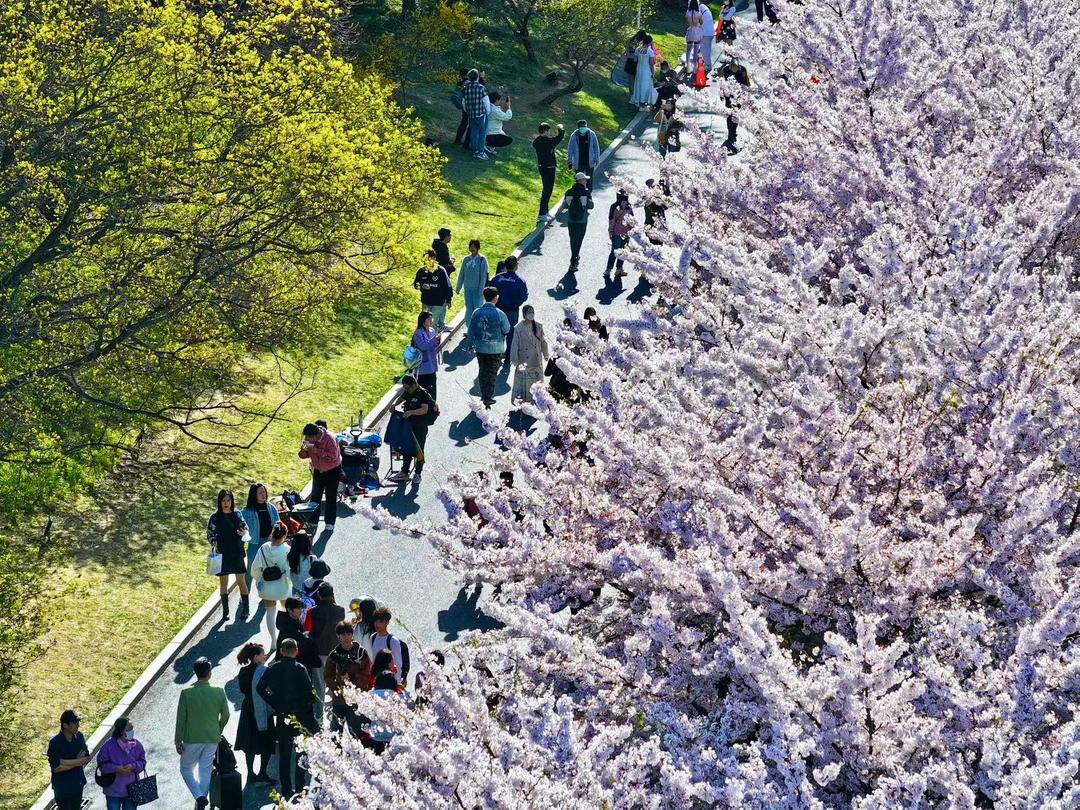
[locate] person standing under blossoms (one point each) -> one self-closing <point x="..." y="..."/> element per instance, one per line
<point x="620" y="223"/>
<point x="528" y="354"/>
<point x="583" y="151"/>
<point x="489" y="328"/>
<point x="708" y="34"/>
<point x="694" y="28"/>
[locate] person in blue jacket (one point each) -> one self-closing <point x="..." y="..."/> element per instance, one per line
<point x="513" y="292"/>
<point x="583" y="151"/>
<point x="489" y="328"/>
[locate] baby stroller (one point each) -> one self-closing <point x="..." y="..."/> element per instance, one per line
<point x="359" y="458"/>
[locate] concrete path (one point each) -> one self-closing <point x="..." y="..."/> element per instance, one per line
<point x="404" y="572"/>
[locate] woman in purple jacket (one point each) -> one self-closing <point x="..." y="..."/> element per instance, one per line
<point x="123" y="756"/>
<point x="426" y="339"/>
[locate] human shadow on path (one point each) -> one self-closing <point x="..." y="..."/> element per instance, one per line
<point x="464" y="614"/>
<point x="459" y="356"/>
<point x="642" y="291"/>
<point x="400" y="501"/>
<point x="463" y="431"/>
<point x="612" y="289"/>
<point x="565" y="287"/>
<point x="520" y="422"/>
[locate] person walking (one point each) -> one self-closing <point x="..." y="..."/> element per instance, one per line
<point x="347" y="663"/>
<point x="255" y="730"/>
<point x="708" y="33"/>
<point x="321" y="447"/>
<point x="471" y="282"/>
<point x="325" y="616"/>
<point x="225" y="532"/>
<point x="545" y="144"/>
<point x="68" y="755"/>
<point x="201" y="716"/>
<point x="694" y="30"/>
<point x="270" y="574"/>
<point x="578" y="199"/>
<point x="513" y="292"/>
<point x="124" y="759"/>
<point x="418" y="407"/>
<point x="441" y="245"/>
<point x="583" y="151"/>
<point x="489" y="327"/>
<point x="436" y="294"/>
<point x="426" y="339"/>
<point x="529" y="354"/>
<point x="260" y="516"/>
<point x="644" y="93"/>
<point x="474" y="101"/>
<point x="286" y="687"/>
<point x="620" y="223"/>
<point x="498" y="113"/>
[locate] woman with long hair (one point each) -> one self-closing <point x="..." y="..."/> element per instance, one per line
<point x="225" y="532"/>
<point x="255" y="732"/>
<point x="644" y="92"/>
<point x="270" y="574"/>
<point x="528" y="354"/>
<point x="695" y="26"/>
<point x="123" y="758"/>
<point x="261" y="517"/>
<point x="426" y="339"/>
<point x="299" y="559"/>
<point x="620" y="223"/>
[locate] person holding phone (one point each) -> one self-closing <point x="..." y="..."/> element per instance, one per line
<point x="321" y="447"/>
<point x="225" y="532"/>
<point x="499" y="112"/>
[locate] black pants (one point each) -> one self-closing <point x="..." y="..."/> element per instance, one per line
<point x="765" y="10"/>
<point x="513" y="316"/>
<point x="324" y="486"/>
<point x="498" y="140"/>
<point x="70" y="801"/>
<point x="287" y="758"/>
<point x="419" y="430"/>
<point x="462" y="136"/>
<point x="547" y="177"/>
<point x="489" y="373"/>
<point x="347" y="717"/>
<point x="428" y="382"/>
<point x="732" y="130"/>
<point x="577" y="236"/>
<point x="617" y="243"/>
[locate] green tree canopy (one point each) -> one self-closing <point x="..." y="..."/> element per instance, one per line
<point x="180" y="189"/>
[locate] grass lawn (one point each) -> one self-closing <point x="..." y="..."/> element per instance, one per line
<point x="136" y="576"/>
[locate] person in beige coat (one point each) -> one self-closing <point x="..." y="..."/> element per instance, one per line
<point x="529" y="353"/>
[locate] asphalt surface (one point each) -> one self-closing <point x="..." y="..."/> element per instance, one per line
<point x="428" y="600"/>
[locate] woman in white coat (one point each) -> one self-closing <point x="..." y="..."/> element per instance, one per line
<point x="644" y="93"/>
<point x="270" y="572"/>
<point x="529" y="354"/>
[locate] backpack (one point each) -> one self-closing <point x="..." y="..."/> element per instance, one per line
<point x="271" y="573"/>
<point x="224" y="759"/>
<point x="405" y="663"/>
<point x="291" y="498"/>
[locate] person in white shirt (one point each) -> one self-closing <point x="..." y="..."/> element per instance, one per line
<point x="382" y="640"/>
<point x="498" y="112"/>
<point x="708" y="34"/>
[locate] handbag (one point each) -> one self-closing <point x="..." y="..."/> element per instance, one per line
<point x="271" y="573"/>
<point x="143" y="791"/>
<point x="412" y="356"/>
<point x="213" y="563"/>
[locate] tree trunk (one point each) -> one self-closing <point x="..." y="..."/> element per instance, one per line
<point x="570" y="89"/>
<point x="524" y="38"/>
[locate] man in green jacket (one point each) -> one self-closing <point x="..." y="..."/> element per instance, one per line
<point x="201" y="716"/>
<point x="286" y="686"/>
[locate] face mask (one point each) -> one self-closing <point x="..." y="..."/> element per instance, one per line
<point x="583" y="130"/>
<point x="528" y="317"/>
<point x="130" y="735"/>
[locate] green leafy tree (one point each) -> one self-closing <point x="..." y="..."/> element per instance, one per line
<point x="520" y="16"/>
<point x="582" y="33"/>
<point x="181" y="191"/>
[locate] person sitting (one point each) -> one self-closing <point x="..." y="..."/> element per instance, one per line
<point x="498" y="113"/>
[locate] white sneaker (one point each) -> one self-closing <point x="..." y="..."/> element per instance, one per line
<point x="481" y="156"/>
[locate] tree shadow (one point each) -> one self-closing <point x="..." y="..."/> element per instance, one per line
<point x="222" y="641"/>
<point x="399" y="502"/>
<point x="521" y="423"/>
<point x="464" y="614"/>
<point x="463" y="431"/>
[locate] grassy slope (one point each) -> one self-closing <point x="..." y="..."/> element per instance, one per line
<point x="137" y="576"/>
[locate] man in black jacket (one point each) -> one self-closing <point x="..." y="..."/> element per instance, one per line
<point x="441" y="246"/>
<point x="286" y="687"/>
<point x="433" y="282"/>
<point x="544" y="144"/>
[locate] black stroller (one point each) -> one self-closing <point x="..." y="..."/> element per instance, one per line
<point x="359" y="458"/>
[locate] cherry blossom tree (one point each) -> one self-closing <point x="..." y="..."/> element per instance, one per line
<point x="810" y="539"/>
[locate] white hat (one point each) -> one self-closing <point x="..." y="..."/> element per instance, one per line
<point x="581" y="176"/>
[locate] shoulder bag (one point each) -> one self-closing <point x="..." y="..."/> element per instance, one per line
<point x="270" y="573"/>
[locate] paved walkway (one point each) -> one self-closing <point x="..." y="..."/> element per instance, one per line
<point x="404" y="572"/>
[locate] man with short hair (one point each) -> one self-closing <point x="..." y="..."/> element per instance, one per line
<point x="325" y="616"/>
<point x="488" y="329"/>
<point x="545" y="144"/>
<point x="286" y="687"/>
<point x="513" y="292"/>
<point x="441" y="245"/>
<point x="201" y="716"/>
<point x="578" y="200"/>
<point x="321" y="448"/>
<point x="382" y="640"/>
<point x="474" y="100"/>
<point x="68" y="755"/>
<point x="348" y="662"/>
<point x="418" y="407"/>
<point x="583" y="151"/>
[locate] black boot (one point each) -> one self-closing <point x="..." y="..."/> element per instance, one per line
<point x="225" y="607"/>
<point x="244" y="609"/>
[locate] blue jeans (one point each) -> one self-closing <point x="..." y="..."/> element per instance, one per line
<point x="478" y="134"/>
<point x="617" y="243"/>
<point x="119" y="803"/>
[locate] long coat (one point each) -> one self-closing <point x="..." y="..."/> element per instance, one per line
<point x="531" y="349"/>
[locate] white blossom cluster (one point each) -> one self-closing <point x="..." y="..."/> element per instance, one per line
<point x="812" y="538"/>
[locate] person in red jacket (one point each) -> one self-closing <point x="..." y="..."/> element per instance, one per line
<point x="320" y="446"/>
